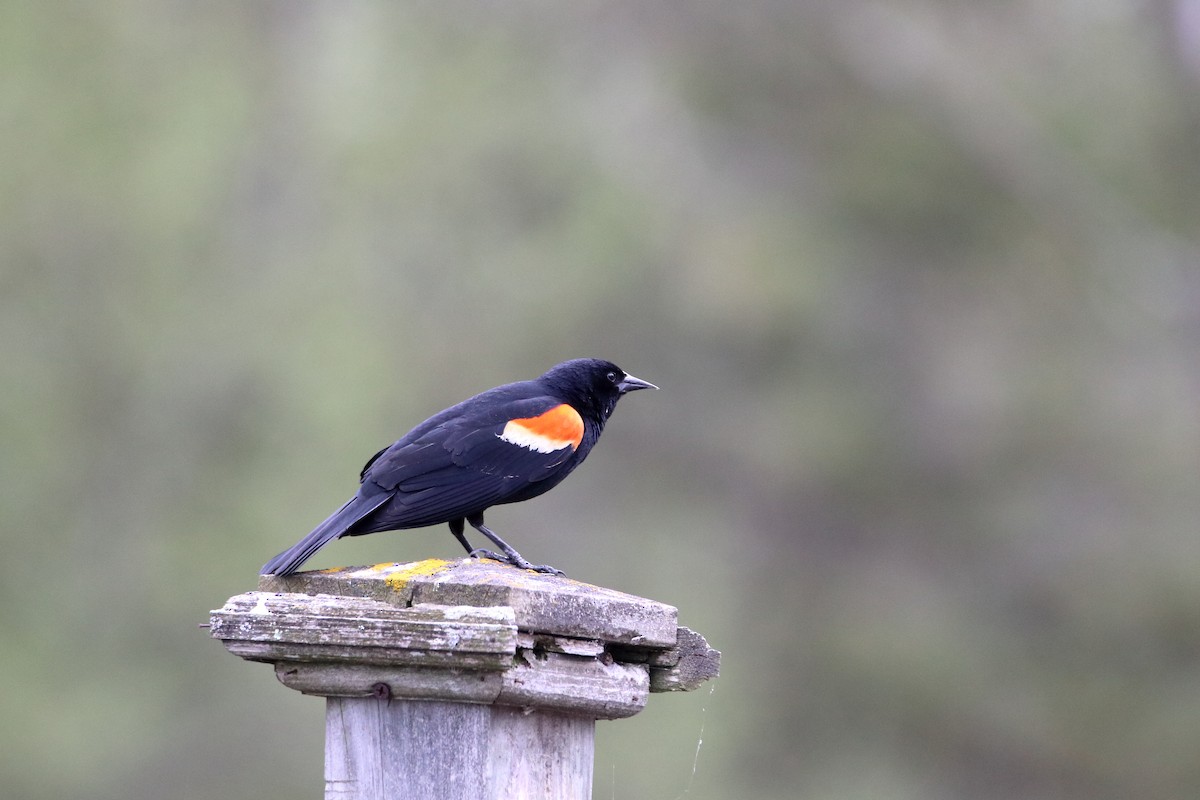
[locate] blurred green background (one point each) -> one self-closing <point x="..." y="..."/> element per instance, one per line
<point x="920" y="282"/>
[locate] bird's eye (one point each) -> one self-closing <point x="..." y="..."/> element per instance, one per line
<point x="612" y="377"/>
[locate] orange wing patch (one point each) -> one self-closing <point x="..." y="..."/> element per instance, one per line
<point x="553" y="430"/>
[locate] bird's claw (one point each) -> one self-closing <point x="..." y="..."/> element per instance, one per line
<point x="518" y="562"/>
<point x="545" y="569"/>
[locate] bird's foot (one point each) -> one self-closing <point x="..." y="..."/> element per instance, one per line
<point x="516" y="560"/>
<point x="543" y="568"/>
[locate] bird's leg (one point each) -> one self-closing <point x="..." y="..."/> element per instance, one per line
<point x="456" y="527"/>
<point x="511" y="556"/>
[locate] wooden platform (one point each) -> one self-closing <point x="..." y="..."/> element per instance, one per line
<point x="471" y="663"/>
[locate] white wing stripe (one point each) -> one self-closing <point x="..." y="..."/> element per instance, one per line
<point x="521" y="436"/>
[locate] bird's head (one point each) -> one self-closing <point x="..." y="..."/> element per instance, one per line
<point x="592" y="386"/>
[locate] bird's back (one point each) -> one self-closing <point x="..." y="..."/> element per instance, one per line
<point x="464" y="459"/>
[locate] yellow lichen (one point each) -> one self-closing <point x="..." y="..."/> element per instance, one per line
<point x="398" y="575"/>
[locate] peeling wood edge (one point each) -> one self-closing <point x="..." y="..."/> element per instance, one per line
<point x="695" y="663"/>
<point x="447" y="652"/>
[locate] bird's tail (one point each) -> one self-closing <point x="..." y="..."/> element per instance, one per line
<point x="338" y="523"/>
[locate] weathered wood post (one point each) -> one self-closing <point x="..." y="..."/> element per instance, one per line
<point x="462" y="679"/>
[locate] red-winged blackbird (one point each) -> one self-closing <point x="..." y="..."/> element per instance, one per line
<point x="510" y="443"/>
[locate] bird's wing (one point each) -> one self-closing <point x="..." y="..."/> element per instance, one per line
<point x="471" y="460"/>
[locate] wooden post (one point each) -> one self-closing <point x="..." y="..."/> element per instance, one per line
<point x="462" y="679"/>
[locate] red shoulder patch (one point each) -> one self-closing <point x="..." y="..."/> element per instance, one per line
<point x="552" y="430"/>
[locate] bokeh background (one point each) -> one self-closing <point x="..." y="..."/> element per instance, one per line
<point x="920" y="281"/>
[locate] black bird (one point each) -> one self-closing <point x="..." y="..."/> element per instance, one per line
<point x="508" y="444"/>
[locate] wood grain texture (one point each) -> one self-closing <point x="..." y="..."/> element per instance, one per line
<point x="597" y="688"/>
<point x="298" y="627"/>
<point x="376" y="750"/>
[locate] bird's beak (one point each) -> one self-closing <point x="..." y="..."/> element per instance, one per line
<point x="632" y="384"/>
